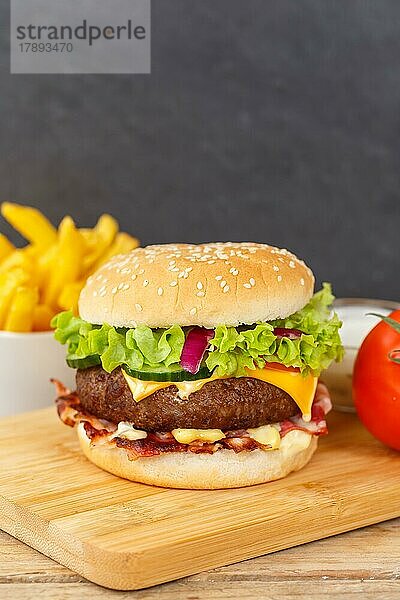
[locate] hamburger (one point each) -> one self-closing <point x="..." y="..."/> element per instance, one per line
<point x="198" y="365"/>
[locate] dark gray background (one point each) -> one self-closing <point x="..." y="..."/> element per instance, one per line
<point x="275" y="121"/>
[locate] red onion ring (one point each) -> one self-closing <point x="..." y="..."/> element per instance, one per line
<point x="291" y="334"/>
<point x="194" y="348"/>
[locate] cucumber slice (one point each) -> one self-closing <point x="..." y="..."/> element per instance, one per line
<point x="167" y="374"/>
<point x="84" y="363"/>
<point x="160" y="373"/>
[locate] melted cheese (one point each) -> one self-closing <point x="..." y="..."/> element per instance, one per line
<point x="268" y="435"/>
<point x="141" y="389"/>
<point x="301" y="389"/>
<point x="187" y="436"/>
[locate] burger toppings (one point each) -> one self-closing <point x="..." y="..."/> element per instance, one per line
<point x="196" y="343"/>
<point x="227" y="403"/>
<point x="187" y="436"/>
<point x="307" y="340"/>
<point x="299" y="387"/>
<point x="126" y="430"/>
<point x="290" y="334"/>
<point x="138" y="443"/>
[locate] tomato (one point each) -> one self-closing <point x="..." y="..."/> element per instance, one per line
<point x="376" y="383"/>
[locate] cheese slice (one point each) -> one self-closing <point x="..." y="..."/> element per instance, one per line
<point x="141" y="389"/>
<point x="301" y="389"/>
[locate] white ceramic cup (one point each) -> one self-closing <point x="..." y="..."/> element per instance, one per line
<point x="27" y="362"/>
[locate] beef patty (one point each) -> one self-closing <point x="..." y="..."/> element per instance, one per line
<point x="234" y="403"/>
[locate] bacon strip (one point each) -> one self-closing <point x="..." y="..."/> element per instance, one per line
<point x="317" y="426"/>
<point x="98" y="430"/>
<point x="148" y="447"/>
<point x="70" y="411"/>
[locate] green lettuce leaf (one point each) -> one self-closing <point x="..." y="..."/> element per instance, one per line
<point x="317" y="347"/>
<point x="232" y="350"/>
<point x="118" y="346"/>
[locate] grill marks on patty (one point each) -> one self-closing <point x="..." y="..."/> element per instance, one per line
<point x="233" y="403"/>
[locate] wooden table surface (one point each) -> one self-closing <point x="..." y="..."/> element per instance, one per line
<point x="361" y="564"/>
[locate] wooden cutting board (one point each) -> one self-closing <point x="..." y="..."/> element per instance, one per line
<point x="127" y="536"/>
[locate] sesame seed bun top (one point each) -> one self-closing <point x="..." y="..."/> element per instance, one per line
<point x="228" y="283"/>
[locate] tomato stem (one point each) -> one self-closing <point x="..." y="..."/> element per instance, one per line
<point x="394" y="356"/>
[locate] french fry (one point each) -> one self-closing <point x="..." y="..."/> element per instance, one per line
<point x="44" y="265"/>
<point x="30" y="223"/>
<point x="67" y="262"/>
<point x="48" y="274"/>
<point x="90" y="237"/>
<point x="9" y="281"/>
<point x="6" y="247"/>
<point x="68" y="299"/>
<point x="18" y="259"/>
<point x="20" y="314"/>
<point x="42" y="316"/>
<point x="104" y="233"/>
<point x="123" y="243"/>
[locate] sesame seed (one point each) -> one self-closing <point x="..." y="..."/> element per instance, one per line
<point x="218" y="277"/>
<point x="140" y="272"/>
<point x="211" y="262"/>
<point x="199" y="285"/>
<point x="125" y="286"/>
<point x="114" y="290"/>
<point x="275" y="268"/>
<point x="173" y="283"/>
<point x="98" y="278"/>
<point x="94" y="294"/>
<point x="125" y="271"/>
<point x="247" y="285"/>
<point x="223" y="283"/>
<point x="172" y="263"/>
<point x="302" y="281"/>
<point x="133" y="277"/>
<point x="138" y="307"/>
<point x="102" y="293"/>
<point x="160" y="291"/>
<point x="234" y="271"/>
<point x="175" y="269"/>
<point x="200" y="294"/>
<point x="279" y="277"/>
<point x="120" y="286"/>
<point x="193" y="310"/>
<point x="145" y="283"/>
<point x="226" y="289"/>
<point x="292" y="264"/>
<point x="252" y="281"/>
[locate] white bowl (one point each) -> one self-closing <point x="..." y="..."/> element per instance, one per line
<point x="356" y="326"/>
<point x="27" y="362"/>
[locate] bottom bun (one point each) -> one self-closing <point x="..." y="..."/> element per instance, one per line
<point x="224" y="469"/>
